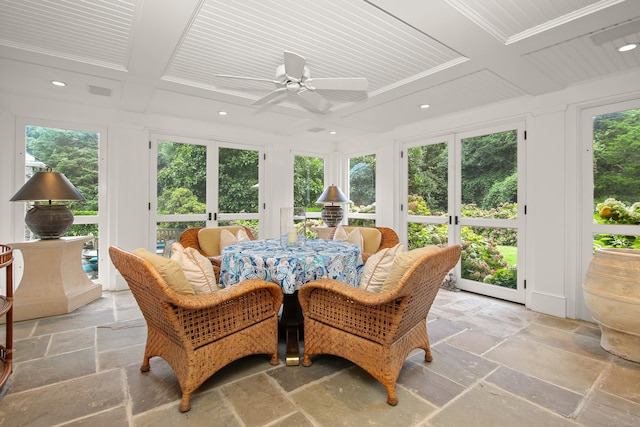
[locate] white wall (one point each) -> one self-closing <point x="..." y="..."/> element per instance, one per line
<point x="552" y="224"/>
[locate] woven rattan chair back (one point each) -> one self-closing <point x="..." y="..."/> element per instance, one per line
<point x="376" y="331"/>
<point x="199" y="334"/>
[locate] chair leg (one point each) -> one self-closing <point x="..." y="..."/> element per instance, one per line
<point x="427" y="354"/>
<point x="145" y="367"/>
<point x="306" y="361"/>
<point x="274" y="359"/>
<point x="391" y="396"/>
<point x="185" y="404"/>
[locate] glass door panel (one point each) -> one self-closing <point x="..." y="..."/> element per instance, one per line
<point x="238" y="188"/>
<point x="487" y="213"/>
<point x="428" y="195"/>
<point x="362" y="190"/>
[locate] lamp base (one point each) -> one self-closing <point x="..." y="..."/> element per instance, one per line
<point x="49" y="221"/>
<point x="332" y="215"/>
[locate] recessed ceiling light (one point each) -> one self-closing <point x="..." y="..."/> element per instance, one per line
<point x="425" y="106"/>
<point x="222" y="113"/>
<point x="333" y="132"/>
<point x="58" y="83"/>
<point x="627" y="47"/>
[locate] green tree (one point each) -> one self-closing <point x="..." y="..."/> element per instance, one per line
<point x="75" y="154"/>
<point x="616" y="156"/>
<point x="308" y="181"/>
<point x="237" y="179"/>
<point x="428" y="171"/>
<point x="487" y="161"/>
<point x="362" y="182"/>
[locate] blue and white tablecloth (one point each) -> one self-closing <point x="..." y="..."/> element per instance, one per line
<point x="291" y="267"/>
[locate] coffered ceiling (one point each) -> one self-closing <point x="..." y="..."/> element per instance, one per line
<point x="163" y="56"/>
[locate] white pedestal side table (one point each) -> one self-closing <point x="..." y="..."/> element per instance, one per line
<point x="53" y="281"/>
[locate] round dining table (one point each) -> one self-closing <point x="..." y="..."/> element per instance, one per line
<point x="291" y="266"/>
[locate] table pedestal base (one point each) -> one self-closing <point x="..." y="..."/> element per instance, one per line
<point x="292" y="325"/>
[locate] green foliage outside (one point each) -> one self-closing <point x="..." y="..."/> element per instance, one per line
<point x="613" y="211"/>
<point x="308" y="182"/>
<point x="482" y="258"/>
<point x="75" y="154"/>
<point x="362" y="184"/>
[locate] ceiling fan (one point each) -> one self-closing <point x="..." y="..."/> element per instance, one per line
<point x="294" y="76"/>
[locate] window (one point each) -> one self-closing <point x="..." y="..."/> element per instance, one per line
<point x="362" y="190"/>
<point x="74" y="152"/>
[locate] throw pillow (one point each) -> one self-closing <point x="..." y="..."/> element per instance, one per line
<point x="377" y="268"/>
<point x="353" y="237"/>
<point x="197" y="268"/>
<point x="402" y="263"/>
<point x="169" y="270"/>
<point x="227" y="238"/>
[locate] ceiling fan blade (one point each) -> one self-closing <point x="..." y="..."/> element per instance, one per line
<point x="315" y="99"/>
<point x="226" y="76"/>
<point x="341" y="83"/>
<point x="294" y="65"/>
<point x="270" y="96"/>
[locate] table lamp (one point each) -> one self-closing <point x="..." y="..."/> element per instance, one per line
<point x="332" y="214"/>
<point x="48" y="221"/>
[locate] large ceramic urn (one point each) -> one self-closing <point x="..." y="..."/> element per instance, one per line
<point x="612" y="293"/>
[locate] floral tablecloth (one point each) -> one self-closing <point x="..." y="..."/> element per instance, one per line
<point x="291" y="267"/>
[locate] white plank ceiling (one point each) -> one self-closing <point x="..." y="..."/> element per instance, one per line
<point x="162" y="56"/>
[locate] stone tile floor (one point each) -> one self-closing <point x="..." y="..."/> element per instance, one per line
<point x="495" y="363"/>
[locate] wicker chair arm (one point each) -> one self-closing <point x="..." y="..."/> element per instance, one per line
<point x="356" y="295"/>
<point x="195" y="302"/>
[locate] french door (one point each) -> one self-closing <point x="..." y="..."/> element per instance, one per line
<point x="465" y="189"/>
<point x="610" y="177"/>
<point x="202" y="183"/>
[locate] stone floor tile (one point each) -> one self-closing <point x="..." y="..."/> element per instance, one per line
<point x="257" y="400"/>
<point x="474" y="341"/>
<point x="427" y="384"/>
<point x="207" y="409"/>
<point x="440" y="329"/>
<point x="157" y="387"/>
<point x="487" y="405"/>
<point x="73" y="340"/>
<point x="557" y="322"/>
<point x="121" y="334"/>
<point x="579" y="344"/>
<point x="73" y="321"/>
<point x="39" y="372"/>
<point x="296" y="419"/>
<point x="542" y="393"/>
<point x="30" y="348"/>
<point x="603" y="409"/>
<point x="112" y="417"/>
<point x="354" y="398"/>
<point x="121" y="357"/>
<point x="292" y="377"/>
<point x="562" y="368"/>
<point x="622" y="378"/>
<point x="457" y="365"/>
<point x="61" y="402"/>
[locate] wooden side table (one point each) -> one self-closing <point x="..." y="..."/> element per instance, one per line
<point x="53" y="281"/>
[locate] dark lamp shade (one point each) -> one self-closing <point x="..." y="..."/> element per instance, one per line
<point x="48" y="186"/>
<point x="48" y="221"/>
<point x="332" y="194"/>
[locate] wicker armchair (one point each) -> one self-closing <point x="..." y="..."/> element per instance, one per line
<point x="189" y="239"/>
<point x="376" y="331"/>
<point x="198" y="335"/>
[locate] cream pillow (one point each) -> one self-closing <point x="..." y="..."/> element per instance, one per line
<point x="227" y="238"/>
<point x="197" y="268"/>
<point x="377" y="268"/>
<point x="353" y="237"/>
<point x="169" y="270"/>
<point x="402" y="263"/>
